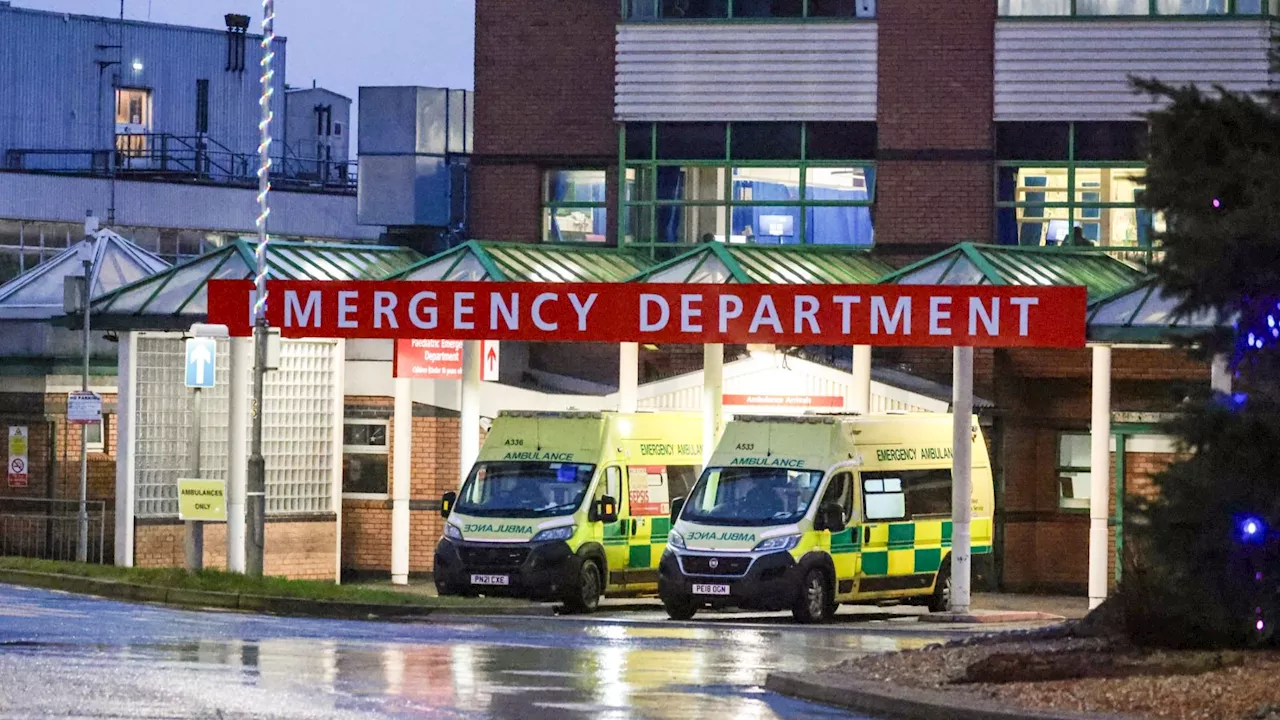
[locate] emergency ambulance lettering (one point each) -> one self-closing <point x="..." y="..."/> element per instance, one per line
<point x="934" y="453"/>
<point x="656" y="449"/>
<point x="896" y="455"/>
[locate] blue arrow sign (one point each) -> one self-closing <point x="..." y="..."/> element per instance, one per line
<point x="202" y="356"/>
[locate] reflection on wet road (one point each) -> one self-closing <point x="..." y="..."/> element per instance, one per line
<point x="69" y="656"/>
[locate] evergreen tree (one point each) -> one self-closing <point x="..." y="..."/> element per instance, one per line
<point x="1206" y="569"/>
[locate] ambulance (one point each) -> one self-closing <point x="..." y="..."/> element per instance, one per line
<point x="805" y="513"/>
<point x="568" y="506"/>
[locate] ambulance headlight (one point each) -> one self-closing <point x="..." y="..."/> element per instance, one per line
<point x="561" y="533"/>
<point x="784" y="542"/>
<point x="453" y="532"/>
<point x="675" y="540"/>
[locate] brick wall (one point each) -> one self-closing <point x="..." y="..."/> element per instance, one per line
<point x="299" y="550"/>
<point x="506" y="202"/>
<point x="934" y="100"/>
<point x="544" y="98"/>
<point x="366" y="524"/>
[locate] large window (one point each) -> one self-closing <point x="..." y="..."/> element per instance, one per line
<point x="1074" y="461"/>
<point x="573" y="206"/>
<point x="646" y="10"/>
<point x="1072" y="184"/>
<point x="1094" y="8"/>
<point x="775" y="183"/>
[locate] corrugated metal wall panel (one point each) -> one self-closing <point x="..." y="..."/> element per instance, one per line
<point x="1063" y="70"/>
<point x="767" y="71"/>
<point x="56" y="198"/>
<point x="49" y="77"/>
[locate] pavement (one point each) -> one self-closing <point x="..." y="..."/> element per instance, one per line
<point x="64" y="655"/>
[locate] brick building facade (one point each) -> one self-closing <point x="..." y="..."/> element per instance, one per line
<point x="965" y="132"/>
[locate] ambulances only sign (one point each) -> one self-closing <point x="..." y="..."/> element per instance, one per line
<point x="882" y="315"/>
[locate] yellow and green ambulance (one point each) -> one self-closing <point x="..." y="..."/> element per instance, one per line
<point x="567" y="506"/>
<point x="809" y="512"/>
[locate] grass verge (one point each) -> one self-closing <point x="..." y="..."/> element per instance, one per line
<point x="217" y="581"/>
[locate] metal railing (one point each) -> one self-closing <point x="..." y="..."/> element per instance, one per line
<point x="179" y="158"/>
<point x="49" y="529"/>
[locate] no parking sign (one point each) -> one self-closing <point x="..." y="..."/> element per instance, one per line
<point x="17" y="465"/>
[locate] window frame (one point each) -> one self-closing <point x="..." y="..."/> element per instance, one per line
<point x="862" y="487"/>
<point x="1059" y="469"/>
<point x="100" y="445"/>
<point x="730" y="16"/>
<point x="1076" y="208"/>
<point x="1267" y="8"/>
<point x="646" y="169"/>
<point x="549" y="207"/>
<point x="367" y="450"/>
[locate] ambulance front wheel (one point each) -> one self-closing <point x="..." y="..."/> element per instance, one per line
<point x="590" y="584"/>
<point x="680" y="607"/>
<point x="815" y="602"/>
<point x="940" y="600"/>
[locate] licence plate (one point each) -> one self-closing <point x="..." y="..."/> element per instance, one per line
<point x="710" y="589"/>
<point x="490" y="580"/>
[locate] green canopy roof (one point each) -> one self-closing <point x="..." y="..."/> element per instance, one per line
<point x="177" y="297"/>
<point x="769" y="264"/>
<point x="1144" y="314"/>
<point x="971" y="264"/>
<point x="523" y="262"/>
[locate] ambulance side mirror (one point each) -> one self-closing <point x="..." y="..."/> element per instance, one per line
<point x="446" y="503"/>
<point x="608" y="512"/>
<point x="676" y="506"/>
<point x="829" y="517"/>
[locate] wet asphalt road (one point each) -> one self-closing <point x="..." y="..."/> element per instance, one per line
<point x="69" y="656"/>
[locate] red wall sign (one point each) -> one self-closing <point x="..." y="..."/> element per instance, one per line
<point x="800" y="401"/>
<point x="882" y="315"/>
<point x="428" y="359"/>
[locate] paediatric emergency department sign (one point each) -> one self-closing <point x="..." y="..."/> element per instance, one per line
<point x="880" y="315"/>
<point x="428" y="359"/>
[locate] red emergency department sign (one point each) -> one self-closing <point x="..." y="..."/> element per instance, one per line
<point x="881" y="315"/>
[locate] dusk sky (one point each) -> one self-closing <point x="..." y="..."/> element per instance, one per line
<point x="342" y="44"/>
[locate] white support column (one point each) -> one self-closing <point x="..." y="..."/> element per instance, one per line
<point x="861" y="379"/>
<point x="401" y="475"/>
<point x="1220" y="374"/>
<point x="712" y="397"/>
<point x="469" y="431"/>
<point x="628" y="376"/>
<point x="962" y="478"/>
<point x="126" y="445"/>
<point x="240" y="362"/>
<point x="1099" y="475"/>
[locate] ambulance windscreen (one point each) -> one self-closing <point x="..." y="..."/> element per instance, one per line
<point x="524" y="489"/>
<point x="751" y="496"/>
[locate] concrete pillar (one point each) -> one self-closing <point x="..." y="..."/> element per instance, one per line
<point x="962" y="478"/>
<point x="401" y="476"/>
<point x="469" y="432"/>
<point x="1220" y="374"/>
<point x="1099" y="475"/>
<point x="861" y="379"/>
<point x="628" y="376"/>
<point x="126" y="445"/>
<point x="240" y="363"/>
<point x="712" y="397"/>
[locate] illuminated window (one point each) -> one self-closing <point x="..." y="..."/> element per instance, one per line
<point x="573" y="208"/>
<point x="1072" y="184"/>
<point x="650" y="10"/>
<point x="778" y="183"/>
